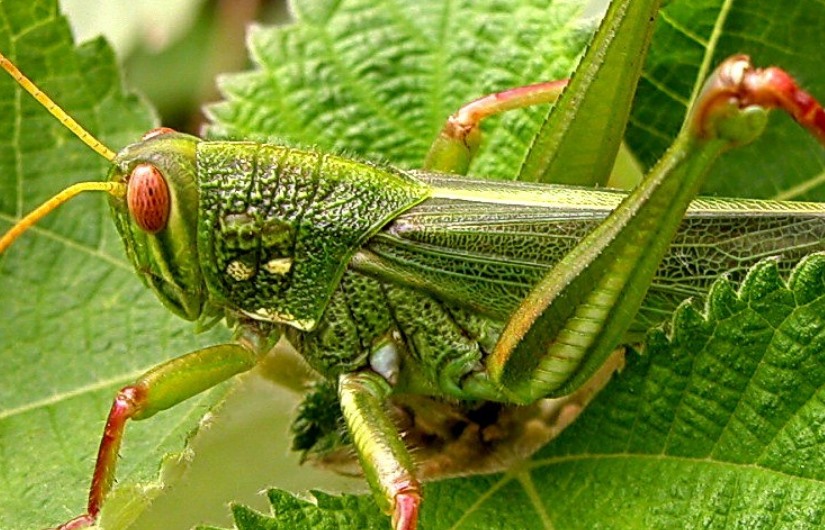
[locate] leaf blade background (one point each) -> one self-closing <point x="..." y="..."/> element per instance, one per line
<point x="76" y="325"/>
<point x="155" y="333"/>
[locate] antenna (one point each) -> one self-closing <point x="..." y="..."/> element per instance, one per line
<point x="56" y="111"/>
<point x="113" y="188"/>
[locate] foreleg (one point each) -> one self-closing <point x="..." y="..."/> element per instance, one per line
<point x="158" y="389"/>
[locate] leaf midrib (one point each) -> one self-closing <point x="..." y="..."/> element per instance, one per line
<point x="59" y="397"/>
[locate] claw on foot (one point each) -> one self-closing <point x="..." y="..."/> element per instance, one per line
<point x="81" y="521"/>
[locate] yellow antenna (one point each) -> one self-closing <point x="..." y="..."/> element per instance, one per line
<point x="113" y="188"/>
<point x="56" y="111"/>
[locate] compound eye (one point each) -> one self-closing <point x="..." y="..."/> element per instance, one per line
<point x="147" y="196"/>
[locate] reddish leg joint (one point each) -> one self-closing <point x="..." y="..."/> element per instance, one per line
<point x="456" y="144"/>
<point x="770" y="88"/>
<point x="466" y="120"/>
<point x="407" y="502"/>
<point x="775" y="88"/>
<point x="127" y="404"/>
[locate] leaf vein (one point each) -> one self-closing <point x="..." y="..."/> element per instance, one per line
<point x="97" y="253"/>
<point x="663" y="15"/>
<point x="480" y="500"/>
<point x="526" y="482"/>
<point x="62" y="396"/>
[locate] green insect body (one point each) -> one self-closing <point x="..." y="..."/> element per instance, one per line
<point x="414" y="274"/>
<point x="405" y="283"/>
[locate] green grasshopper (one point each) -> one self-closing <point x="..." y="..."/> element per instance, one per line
<point x="356" y="264"/>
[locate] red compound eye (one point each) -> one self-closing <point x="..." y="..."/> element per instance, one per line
<point x="148" y="198"/>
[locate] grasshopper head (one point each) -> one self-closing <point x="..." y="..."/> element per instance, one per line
<point x="154" y="199"/>
<point x="157" y="218"/>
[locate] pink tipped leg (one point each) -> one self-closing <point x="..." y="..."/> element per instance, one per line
<point x="127" y="403"/>
<point x="405" y="514"/>
<point x="158" y="389"/>
<point x="775" y="88"/>
<point x="386" y="462"/>
<point x="456" y="144"/>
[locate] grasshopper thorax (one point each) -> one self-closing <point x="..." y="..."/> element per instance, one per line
<point x="158" y="217"/>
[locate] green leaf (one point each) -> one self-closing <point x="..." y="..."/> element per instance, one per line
<point x="692" y="37"/>
<point x="719" y="424"/>
<point x="76" y="323"/>
<point x="323" y="512"/>
<point x="379" y="79"/>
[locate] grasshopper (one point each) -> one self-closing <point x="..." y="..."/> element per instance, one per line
<point x="352" y="263"/>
